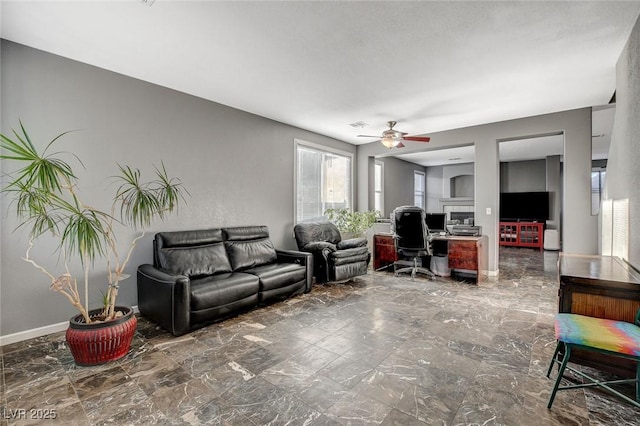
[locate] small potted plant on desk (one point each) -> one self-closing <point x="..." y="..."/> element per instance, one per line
<point x="47" y="201"/>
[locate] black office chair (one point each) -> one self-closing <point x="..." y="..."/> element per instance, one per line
<point x="411" y="239"/>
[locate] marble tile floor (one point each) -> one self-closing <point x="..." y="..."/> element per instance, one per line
<point x="377" y="350"/>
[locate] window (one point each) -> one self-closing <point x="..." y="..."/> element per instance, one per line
<point x="379" y="188"/>
<point x="323" y="180"/>
<point x="418" y="188"/>
<point x="597" y="186"/>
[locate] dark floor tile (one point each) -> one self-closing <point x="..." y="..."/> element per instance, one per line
<point x="180" y="401"/>
<point x="398" y="418"/>
<point x="126" y="402"/>
<point x="377" y="350"/>
<point x="259" y="360"/>
<point x="354" y="408"/>
<point x="321" y="393"/>
<point x="100" y="382"/>
<point x="346" y="371"/>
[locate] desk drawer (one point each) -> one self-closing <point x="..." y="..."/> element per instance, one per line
<point x="463" y="255"/>
<point x="384" y="251"/>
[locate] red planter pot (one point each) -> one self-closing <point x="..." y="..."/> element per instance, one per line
<point x="98" y="343"/>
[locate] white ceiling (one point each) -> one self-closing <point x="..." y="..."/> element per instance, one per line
<point x="320" y="66"/>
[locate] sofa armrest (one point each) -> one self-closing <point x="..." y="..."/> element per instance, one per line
<point x="164" y="299"/>
<point x="320" y="251"/>
<point x="302" y="258"/>
<point x="352" y="243"/>
<point x="318" y="246"/>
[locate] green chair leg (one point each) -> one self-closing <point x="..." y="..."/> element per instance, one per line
<point x="638" y="381"/>
<point x="565" y="360"/>
<point x="553" y="358"/>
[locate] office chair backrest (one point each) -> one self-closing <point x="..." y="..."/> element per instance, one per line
<point x="409" y="227"/>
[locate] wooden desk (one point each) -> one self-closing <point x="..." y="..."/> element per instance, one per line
<point x="467" y="255"/>
<point x="601" y="287"/>
<point x="384" y="251"/>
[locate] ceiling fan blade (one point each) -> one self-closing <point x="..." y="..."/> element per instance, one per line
<point x="368" y="136"/>
<point x="417" y="138"/>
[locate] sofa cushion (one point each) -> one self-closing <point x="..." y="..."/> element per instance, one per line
<point x="276" y="275"/>
<point x="350" y="252"/>
<point x="199" y="237"/>
<point x="222" y="289"/>
<point x="250" y="253"/>
<point x="244" y="233"/>
<point x="344" y="257"/>
<point x="194" y="261"/>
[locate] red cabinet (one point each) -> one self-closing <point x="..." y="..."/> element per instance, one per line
<point x="522" y="234"/>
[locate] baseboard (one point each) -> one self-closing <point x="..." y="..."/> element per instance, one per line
<point x="491" y="273"/>
<point x="39" y="332"/>
<point x="33" y="333"/>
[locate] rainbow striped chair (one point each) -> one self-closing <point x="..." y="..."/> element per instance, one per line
<point x="617" y="338"/>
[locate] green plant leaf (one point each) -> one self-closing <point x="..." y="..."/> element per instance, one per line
<point x="47" y="172"/>
<point x="355" y="223"/>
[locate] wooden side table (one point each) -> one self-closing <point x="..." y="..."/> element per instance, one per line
<point x="602" y="287"/>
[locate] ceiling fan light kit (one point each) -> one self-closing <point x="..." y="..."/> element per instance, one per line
<point x="389" y="142"/>
<point x="393" y="138"/>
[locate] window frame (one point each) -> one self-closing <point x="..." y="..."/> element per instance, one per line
<point x="602" y="176"/>
<point x="324" y="149"/>
<point x="377" y="164"/>
<point x="424" y="188"/>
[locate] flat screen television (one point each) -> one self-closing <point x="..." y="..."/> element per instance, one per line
<point x="524" y="206"/>
<point x="436" y="222"/>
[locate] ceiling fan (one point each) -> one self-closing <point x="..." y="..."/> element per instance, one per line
<point x="393" y="138"/>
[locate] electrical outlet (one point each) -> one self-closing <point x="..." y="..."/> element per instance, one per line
<point x="488" y="211"/>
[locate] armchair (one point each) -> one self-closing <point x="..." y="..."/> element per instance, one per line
<point x="334" y="259"/>
<point x="411" y="239"/>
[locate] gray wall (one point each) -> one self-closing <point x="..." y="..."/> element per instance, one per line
<point x="554" y="186"/>
<point x="237" y="166"/>
<point x="523" y="176"/>
<point x="623" y="167"/>
<point x="398" y="183"/>
<point x="435" y="189"/>
<point x="440" y="186"/>
<point x="579" y="233"/>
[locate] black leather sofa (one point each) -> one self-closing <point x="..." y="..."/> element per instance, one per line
<point x="334" y="259"/>
<point x="201" y="276"/>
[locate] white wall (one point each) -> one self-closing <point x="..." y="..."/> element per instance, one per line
<point x="623" y="167"/>
<point x="579" y="233"/>
<point x="237" y="166"/>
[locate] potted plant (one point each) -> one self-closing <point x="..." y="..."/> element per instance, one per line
<point x="46" y="200"/>
<point x="350" y="223"/>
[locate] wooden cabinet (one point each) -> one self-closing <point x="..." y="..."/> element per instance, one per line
<point x="601" y="287"/>
<point x="384" y="251"/>
<point x="522" y="234"/>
